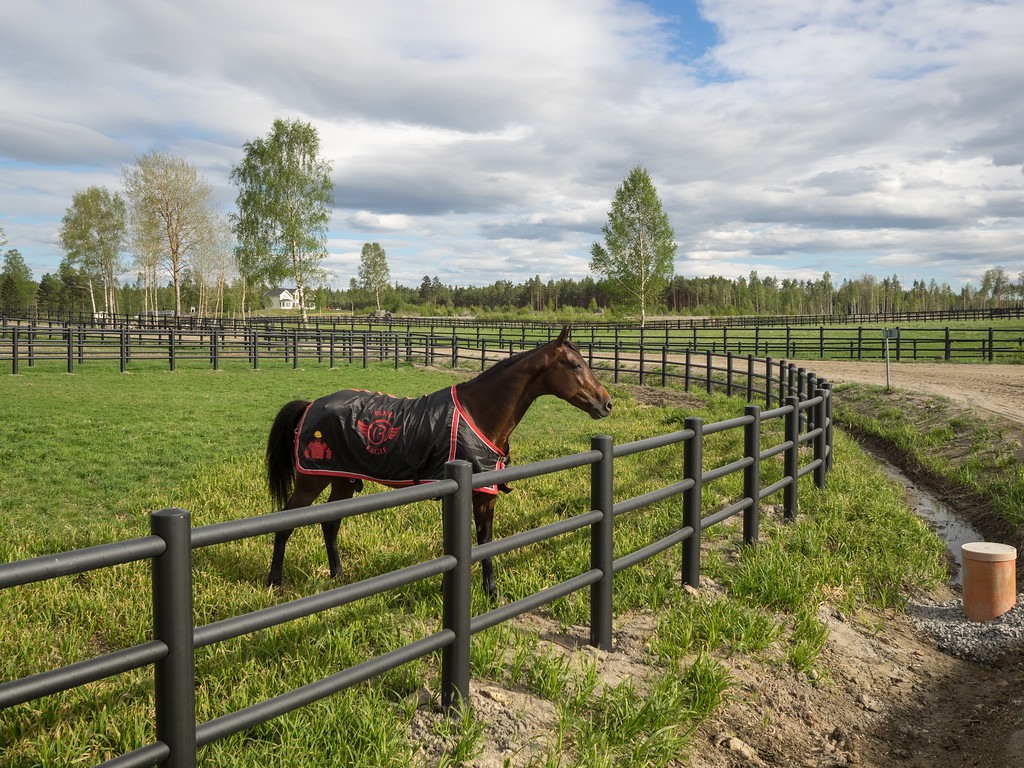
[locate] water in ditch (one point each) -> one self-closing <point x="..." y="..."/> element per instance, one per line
<point x="939" y="517"/>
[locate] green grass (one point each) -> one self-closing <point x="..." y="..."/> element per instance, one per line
<point x="86" y="457"/>
<point x="966" y="451"/>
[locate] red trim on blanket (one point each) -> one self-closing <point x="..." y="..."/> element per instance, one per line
<point x="459" y="409"/>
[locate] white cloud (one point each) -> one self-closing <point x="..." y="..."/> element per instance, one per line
<point x="482" y="141"/>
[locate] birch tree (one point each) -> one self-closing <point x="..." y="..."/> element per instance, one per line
<point x="285" y="196"/>
<point x="166" y="192"/>
<point x="373" y="270"/>
<point x="92" y="234"/>
<point x="639" y="249"/>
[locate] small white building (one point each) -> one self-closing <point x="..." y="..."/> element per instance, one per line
<point x="282" y="298"/>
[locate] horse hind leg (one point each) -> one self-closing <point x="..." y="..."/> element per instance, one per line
<point x="307" y="488"/>
<point x="341" y="488"/>
<point x="483" y="517"/>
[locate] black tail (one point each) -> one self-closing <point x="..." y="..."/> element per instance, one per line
<point x="281" y="451"/>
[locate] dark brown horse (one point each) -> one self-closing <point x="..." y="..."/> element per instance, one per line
<point x="305" y="443"/>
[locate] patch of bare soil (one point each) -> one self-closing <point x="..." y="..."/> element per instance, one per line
<point x="887" y="695"/>
<point x="996" y="389"/>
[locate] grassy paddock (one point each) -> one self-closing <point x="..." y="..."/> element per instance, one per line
<point x="86" y="457"/>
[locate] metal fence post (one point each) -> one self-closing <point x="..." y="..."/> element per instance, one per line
<point x="175" y="674"/>
<point x="752" y="474"/>
<point x="601" y="543"/>
<point x="828" y="425"/>
<point x="123" y="349"/>
<point x="812" y="387"/>
<point x="693" y="461"/>
<point x="791" y="457"/>
<point x="750" y="378"/>
<point x="457" y="598"/>
<point x="820" y="440"/>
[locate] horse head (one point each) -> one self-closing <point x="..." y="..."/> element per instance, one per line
<point x="570" y="378"/>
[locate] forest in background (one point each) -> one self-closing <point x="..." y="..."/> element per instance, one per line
<point x="66" y="291"/>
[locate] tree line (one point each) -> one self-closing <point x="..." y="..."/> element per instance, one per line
<point x="189" y="257"/>
<point x="220" y="292"/>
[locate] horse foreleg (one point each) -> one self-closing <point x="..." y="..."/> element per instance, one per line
<point x="340" y="489"/>
<point x="277" y="561"/>
<point x="307" y="488"/>
<point x="483" y="517"/>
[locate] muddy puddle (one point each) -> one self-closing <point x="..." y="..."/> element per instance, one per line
<point x="939" y="517"/>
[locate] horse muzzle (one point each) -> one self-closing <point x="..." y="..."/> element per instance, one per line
<point x="600" y="409"/>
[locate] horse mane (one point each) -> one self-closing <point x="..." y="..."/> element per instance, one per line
<point x="511" y="360"/>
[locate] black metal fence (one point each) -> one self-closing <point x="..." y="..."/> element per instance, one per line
<point x="806" y="413"/>
<point x="166" y="318"/>
<point x="29" y="343"/>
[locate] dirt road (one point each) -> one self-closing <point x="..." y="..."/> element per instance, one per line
<point x="995" y="388"/>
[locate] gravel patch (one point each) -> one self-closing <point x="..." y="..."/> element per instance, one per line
<point x="980" y="642"/>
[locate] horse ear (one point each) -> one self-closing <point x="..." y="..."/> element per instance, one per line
<point x="564" y="335"/>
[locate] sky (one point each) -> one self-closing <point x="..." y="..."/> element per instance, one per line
<point x="480" y="141"/>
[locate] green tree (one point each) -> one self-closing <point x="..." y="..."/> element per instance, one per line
<point x="49" y="295"/>
<point x="166" y="194"/>
<point x="427" y="295"/>
<point x="373" y="270"/>
<point x="17" y="289"/>
<point x="285" y="196"/>
<point x="639" y="250"/>
<point x="92" y="234"/>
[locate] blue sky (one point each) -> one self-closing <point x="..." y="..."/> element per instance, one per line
<point x="481" y="142"/>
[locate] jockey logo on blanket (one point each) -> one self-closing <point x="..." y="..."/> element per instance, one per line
<point x="391" y="440"/>
<point x="317" y="448"/>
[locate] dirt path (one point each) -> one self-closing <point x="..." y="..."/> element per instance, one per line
<point x="998" y="389"/>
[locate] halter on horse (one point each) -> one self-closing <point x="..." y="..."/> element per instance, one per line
<point x="313" y="445"/>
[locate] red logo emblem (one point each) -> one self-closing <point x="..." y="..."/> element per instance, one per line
<point x="378" y="432"/>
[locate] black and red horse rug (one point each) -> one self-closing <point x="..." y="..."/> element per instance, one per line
<point x="391" y="440"/>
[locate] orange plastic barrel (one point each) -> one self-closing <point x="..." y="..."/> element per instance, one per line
<point x="990" y="579"/>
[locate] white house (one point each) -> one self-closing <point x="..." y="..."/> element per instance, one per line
<point x="281" y="298"/>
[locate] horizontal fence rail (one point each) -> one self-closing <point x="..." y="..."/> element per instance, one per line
<point x="804" y="406"/>
<point x="654" y="349"/>
<point x="167" y="319"/>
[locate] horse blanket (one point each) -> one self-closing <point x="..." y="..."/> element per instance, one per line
<point x="390" y="440"/>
